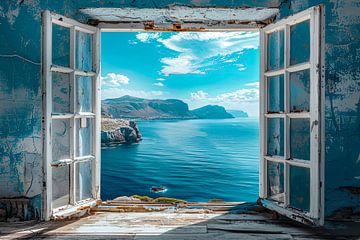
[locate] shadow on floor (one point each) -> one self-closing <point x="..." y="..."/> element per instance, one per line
<point x="245" y="221"/>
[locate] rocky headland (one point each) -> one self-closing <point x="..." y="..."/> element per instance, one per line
<point x="117" y="128"/>
<point x="128" y="107"/>
<point x="118" y="131"/>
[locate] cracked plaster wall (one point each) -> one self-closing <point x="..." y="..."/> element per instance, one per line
<point x="342" y="100"/>
<point x="20" y="90"/>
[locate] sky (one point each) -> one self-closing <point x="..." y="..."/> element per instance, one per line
<point x="200" y="68"/>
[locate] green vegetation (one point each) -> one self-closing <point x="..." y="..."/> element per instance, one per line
<point x="143" y="198"/>
<point x="168" y="200"/>
<point x="158" y="200"/>
<point x="216" y="200"/>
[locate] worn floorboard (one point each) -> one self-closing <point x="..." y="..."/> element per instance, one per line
<point x="174" y="223"/>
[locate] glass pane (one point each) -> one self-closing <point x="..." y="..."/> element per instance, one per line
<point x="300" y="188"/>
<point x="300" y="138"/>
<point x="60" y="186"/>
<point x="300" y="43"/>
<point x="300" y="91"/>
<point x="275" y="174"/>
<point x="60" y="46"/>
<point x="276" y="94"/>
<point x="84" y="133"/>
<point x="84" y="180"/>
<point x="60" y="93"/>
<point x="84" y="94"/>
<point x="275" y="50"/>
<point x="275" y="137"/>
<point x="83" y="51"/>
<point x="60" y="139"/>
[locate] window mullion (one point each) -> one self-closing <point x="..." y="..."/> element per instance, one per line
<point x="73" y="120"/>
<point x="314" y="113"/>
<point x="286" y="119"/>
<point x="263" y="111"/>
<point x="47" y="105"/>
<point x="97" y="111"/>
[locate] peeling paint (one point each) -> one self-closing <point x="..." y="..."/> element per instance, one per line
<point x="179" y="14"/>
<point x="20" y="85"/>
<point x="342" y="98"/>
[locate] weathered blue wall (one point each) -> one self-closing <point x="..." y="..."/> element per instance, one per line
<point x="342" y="101"/>
<point x="20" y="100"/>
<point x="20" y="91"/>
<point x="20" y="86"/>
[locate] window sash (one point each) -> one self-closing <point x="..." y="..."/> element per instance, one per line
<point x="49" y="19"/>
<point x="313" y="164"/>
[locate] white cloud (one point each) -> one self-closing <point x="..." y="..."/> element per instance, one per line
<point x="114" y="80"/>
<point x="183" y="64"/>
<point x="241" y="95"/>
<point x="118" y="92"/>
<point x="241" y="67"/>
<point x="146" y="37"/>
<point x="160" y="79"/>
<point x="131" y="42"/>
<point x="199" y="95"/>
<point x="159" y="84"/>
<point x="196" y="49"/>
<point x="230" y="60"/>
<point x="252" y="84"/>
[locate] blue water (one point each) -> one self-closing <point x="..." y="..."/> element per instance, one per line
<point x="196" y="160"/>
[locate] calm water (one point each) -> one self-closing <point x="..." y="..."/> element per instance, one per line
<point x="196" y="160"/>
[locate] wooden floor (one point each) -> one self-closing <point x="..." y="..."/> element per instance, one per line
<point x="216" y="221"/>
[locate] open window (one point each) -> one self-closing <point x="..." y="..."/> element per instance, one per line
<point x="71" y="114"/>
<point x="290" y="133"/>
<point x="290" y="174"/>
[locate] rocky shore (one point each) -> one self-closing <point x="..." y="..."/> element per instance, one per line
<point x="118" y="131"/>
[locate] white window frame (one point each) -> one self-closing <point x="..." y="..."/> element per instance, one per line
<point x="48" y="19"/>
<point x="316" y="213"/>
<point x="316" y="166"/>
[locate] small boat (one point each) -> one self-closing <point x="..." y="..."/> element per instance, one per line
<point x="160" y="189"/>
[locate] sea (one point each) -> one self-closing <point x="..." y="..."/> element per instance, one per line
<point x="194" y="160"/>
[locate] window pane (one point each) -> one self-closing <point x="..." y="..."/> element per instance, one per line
<point x="60" y="93"/>
<point x="60" y="139"/>
<point x="276" y="94"/>
<point x="84" y="133"/>
<point x="300" y="43"/>
<point x="60" y="186"/>
<point x="60" y="45"/>
<point x="84" y="94"/>
<point x="300" y="138"/>
<point x="84" y="180"/>
<point x="275" y="50"/>
<point x="300" y="188"/>
<point x="275" y="138"/>
<point x="275" y="174"/>
<point x="83" y="51"/>
<point x="300" y="91"/>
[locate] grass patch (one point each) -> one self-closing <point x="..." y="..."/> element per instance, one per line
<point x="143" y="198"/>
<point x="158" y="200"/>
<point x="216" y="200"/>
<point x="168" y="200"/>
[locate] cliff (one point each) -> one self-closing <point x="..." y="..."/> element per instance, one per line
<point x="211" y="112"/>
<point x="132" y="107"/>
<point x="118" y="131"/>
<point x="139" y="108"/>
<point x="238" y="113"/>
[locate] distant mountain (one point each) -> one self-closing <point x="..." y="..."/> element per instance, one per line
<point x="140" y="108"/>
<point x="132" y="107"/>
<point x="238" y="113"/>
<point x="211" y="112"/>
